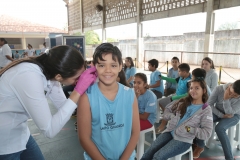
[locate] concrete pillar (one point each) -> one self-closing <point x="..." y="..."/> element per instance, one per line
<point x="24" y="45"/>
<point x="104" y="39"/>
<point x="81" y="16"/>
<point x="209" y="30"/>
<point x="139" y="54"/>
<point x="66" y="5"/>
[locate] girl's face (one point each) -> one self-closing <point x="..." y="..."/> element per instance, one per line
<point x="206" y="65"/>
<point x="196" y="90"/>
<point x="139" y="85"/>
<point x="108" y="70"/>
<point x="72" y="80"/>
<point x="127" y="62"/>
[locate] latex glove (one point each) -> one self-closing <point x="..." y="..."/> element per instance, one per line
<point x="86" y="79"/>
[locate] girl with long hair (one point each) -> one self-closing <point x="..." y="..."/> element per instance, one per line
<point x="188" y="118"/>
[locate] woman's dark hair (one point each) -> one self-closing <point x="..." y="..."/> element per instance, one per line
<point x="122" y="78"/>
<point x="63" y="60"/>
<point x="131" y="62"/>
<point x="4" y="40"/>
<point x="142" y="76"/>
<point x="107" y="48"/>
<point x="210" y="61"/>
<point x="183" y="103"/>
<point x="30" y="45"/>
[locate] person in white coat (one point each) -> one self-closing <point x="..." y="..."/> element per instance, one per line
<point x="22" y="96"/>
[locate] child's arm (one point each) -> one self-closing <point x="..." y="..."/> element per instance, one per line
<point x="85" y="128"/>
<point x="157" y="84"/>
<point x="144" y="116"/>
<point x="177" y="97"/>
<point x="171" y="80"/>
<point x="135" y="133"/>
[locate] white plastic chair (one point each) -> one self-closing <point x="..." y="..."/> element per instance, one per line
<point x="178" y="157"/>
<point x="142" y="142"/>
<point x="234" y="141"/>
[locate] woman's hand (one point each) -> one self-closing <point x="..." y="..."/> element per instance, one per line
<point x="86" y="79"/>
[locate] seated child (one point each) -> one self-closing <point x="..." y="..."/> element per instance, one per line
<point x="147" y="101"/>
<point x="129" y="70"/>
<point x="225" y="102"/>
<point x="185" y="117"/>
<point x="170" y="88"/>
<point x="156" y="84"/>
<point x="182" y="89"/>
<point x="108" y="117"/>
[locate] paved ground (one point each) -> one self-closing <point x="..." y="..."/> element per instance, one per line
<point x="65" y="145"/>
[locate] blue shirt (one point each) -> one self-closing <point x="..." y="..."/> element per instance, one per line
<point x="182" y="85"/>
<point x="174" y="75"/>
<point x="129" y="72"/>
<point x="190" y="111"/>
<point x="148" y="103"/>
<point x="154" y="77"/>
<point x="111" y="121"/>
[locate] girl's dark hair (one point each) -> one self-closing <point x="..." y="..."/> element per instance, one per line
<point x="63" y="60"/>
<point x="30" y="45"/>
<point x="122" y="78"/>
<point x="142" y="76"/>
<point x="210" y="61"/>
<point x="107" y="48"/>
<point x="131" y="62"/>
<point x="183" y="103"/>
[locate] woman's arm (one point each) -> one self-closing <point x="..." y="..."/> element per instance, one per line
<point x="85" y="129"/>
<point x="135" y="132"/>
<point x="31" y="96"/>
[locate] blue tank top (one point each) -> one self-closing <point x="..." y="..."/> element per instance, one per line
<point x="111" y="121"/>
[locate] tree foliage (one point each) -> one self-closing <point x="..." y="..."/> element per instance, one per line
<point x="228" y="26"/>
<point x="91" y="37"/>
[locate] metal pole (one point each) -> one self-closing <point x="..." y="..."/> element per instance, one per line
<point x="181" y="56"/>
<point x="144" y="59"/>
<point x="167" y="67"/>
<point x="220" y="71"/>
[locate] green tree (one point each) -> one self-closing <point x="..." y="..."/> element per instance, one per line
<point x="91" y="37"/>
<point x="111" y="40"/>
<point x="228" y="26"/>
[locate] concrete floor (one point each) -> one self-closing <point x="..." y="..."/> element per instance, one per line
<point x="65" y="145"/>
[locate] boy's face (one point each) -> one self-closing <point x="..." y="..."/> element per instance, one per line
<point x="150" y="67"/>
<point x="174" y="63"/>
<point x="182" y="73"/>
<point x="108" y="70"/>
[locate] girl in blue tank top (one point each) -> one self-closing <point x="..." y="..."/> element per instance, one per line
<point x="108" y="120"/>
<point x="147" y="101"/>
